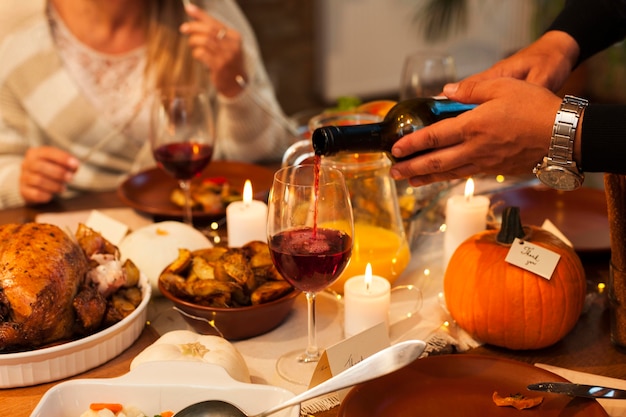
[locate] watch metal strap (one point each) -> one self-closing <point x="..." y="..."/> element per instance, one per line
<point x="564" y="130"/>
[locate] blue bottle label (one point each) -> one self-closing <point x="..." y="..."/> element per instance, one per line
<point x="443" y="107"/>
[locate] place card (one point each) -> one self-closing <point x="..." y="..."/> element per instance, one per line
<point x="533" y="258"/>
<point x="349" y="352"/>
<point x="111" y="229"/>
<point x="550" y="227"/>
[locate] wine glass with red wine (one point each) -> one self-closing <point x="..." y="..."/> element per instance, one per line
<point x="182" y="136"/>
<point x="310" y="231"/>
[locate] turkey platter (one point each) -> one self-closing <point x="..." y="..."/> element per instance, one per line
<point x="54" y="288"/>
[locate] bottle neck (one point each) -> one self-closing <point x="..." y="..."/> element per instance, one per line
<point x="329" y="140"/>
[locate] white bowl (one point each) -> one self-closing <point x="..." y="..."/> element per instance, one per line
<point x="154" y="387"/>
<point x="155" y="246"/>
<point x="68" y="359"/>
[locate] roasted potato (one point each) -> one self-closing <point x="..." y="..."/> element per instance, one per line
<point x="120" y="301"/>
<point x="211" y="195"/>
<point x="225" y="277"/>
<point x="269" y="291"/>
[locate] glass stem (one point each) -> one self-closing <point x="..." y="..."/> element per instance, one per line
<point x="185" y="185"/>
<point x="312" y="353"/>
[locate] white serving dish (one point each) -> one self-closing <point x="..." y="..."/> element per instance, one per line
<point x="68" y="359"/>
<point x="154" y="387"/>
<point x="155" y="246"/>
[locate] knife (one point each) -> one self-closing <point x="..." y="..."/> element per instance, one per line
<point x="579" y="390"/>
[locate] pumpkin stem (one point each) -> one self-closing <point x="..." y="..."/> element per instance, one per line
<point x="511" y="227"/>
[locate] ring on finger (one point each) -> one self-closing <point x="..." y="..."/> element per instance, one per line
<point x="221" y="34"/>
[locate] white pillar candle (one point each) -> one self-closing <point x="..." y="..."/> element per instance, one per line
<point x="246" y="220"/>
<point x="466" y="215"/>
<point x="366" y="302"/>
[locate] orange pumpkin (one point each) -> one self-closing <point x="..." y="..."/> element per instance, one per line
<point x="504" y="305"/>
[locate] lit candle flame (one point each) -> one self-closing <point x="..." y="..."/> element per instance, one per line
<point x="469" y="189"/>
<point x="368" y="276"/>
<point x="247" y="192"/>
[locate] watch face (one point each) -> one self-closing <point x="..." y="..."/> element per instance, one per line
<point x="559" y="178"/>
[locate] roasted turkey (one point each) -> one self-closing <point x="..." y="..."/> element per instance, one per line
<point x="44" y="296"/>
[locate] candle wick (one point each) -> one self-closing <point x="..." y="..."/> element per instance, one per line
<point x="468" y="198"/>
<point x="367" y="286"/>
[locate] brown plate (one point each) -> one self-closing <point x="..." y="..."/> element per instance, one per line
<point x="149" y="191"/>
<point x="581" y="215"/>
<point x="460" y="385"/>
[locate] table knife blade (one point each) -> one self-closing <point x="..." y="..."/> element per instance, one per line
<point x="579" y="390"/>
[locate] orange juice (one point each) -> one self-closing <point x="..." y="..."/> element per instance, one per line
<point x="385" y="250"/>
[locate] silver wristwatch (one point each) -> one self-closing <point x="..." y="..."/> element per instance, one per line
<point x="558" y="170"/>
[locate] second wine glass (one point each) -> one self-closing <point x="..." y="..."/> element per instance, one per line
<point x="425" y="73"/>
<point x="310" y="233"/>
<point x="182" y="136"/>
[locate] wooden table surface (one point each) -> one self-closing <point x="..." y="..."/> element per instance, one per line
<point x="587" y="348"/>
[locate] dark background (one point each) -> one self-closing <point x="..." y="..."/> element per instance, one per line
<point x="284" y="29"/>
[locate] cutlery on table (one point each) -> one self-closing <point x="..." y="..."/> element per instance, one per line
<point x="579" y="390"/>
<point x="380" y="363"/>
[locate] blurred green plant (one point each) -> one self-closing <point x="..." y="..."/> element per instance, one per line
<point x="439" y="19"/>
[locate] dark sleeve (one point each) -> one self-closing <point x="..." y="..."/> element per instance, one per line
<point x="594" y="24"/>
<point x="603" y="139"/>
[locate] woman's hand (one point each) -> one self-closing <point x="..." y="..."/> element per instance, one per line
<point x="218" y="47"/>
<point x="508" y="133"/>
<point x="45" y="173"/>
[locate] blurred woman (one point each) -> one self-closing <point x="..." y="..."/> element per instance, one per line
<point x="75" y="75"/>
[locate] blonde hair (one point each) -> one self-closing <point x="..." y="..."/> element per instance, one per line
<point x="169" y="61"/>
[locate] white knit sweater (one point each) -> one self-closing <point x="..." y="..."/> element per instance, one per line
<point x="41" y="104"/>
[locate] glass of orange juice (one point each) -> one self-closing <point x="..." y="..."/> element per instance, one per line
<point x="379" y="234"/>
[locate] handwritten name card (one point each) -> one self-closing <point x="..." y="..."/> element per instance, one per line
<point x="533" y="258"/>
<point x="349" y="352"/>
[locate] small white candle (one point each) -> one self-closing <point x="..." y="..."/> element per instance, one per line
<point x="466" y="215"/>
<point x="366" y="302"/>
<point x="246" y="220"/>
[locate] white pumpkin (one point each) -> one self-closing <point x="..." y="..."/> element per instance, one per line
<point x="154" y="247"/>
<point x="185" y="345"/>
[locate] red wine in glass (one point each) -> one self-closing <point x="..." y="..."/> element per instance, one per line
<point x="310" y="259"/>
<point x="183" y="160"/>
<point x="182" y="136"/>
<point x="310" y="229"/>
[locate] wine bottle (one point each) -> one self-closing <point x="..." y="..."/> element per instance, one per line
<point x="405" y="117"/>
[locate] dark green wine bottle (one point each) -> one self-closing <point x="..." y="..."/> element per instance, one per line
<point x="405" y="117"/>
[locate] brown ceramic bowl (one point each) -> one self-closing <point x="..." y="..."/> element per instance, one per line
<point x="234" y="323"/>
